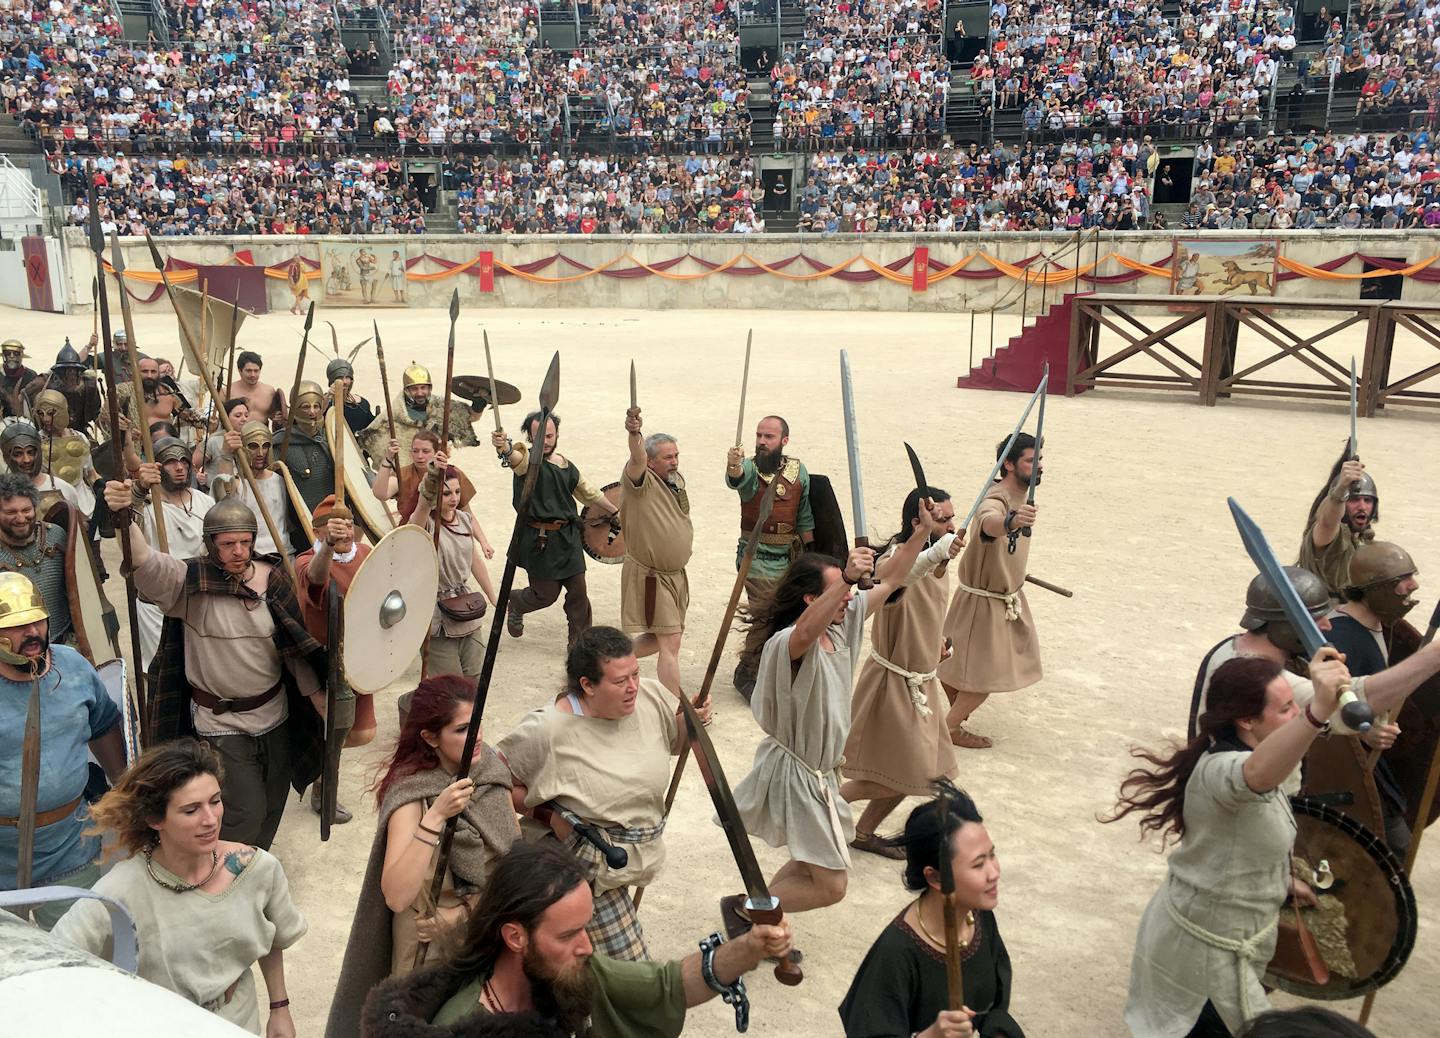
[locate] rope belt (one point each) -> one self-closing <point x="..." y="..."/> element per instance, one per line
<point x="914" y="682"/>
<point x="836" y="829"/>
<point x="1010" y="598"/>
<point x="1244" y="951"/>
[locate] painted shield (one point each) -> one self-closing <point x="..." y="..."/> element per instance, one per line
<point x="298" y="508"/>
<point x="372" y="517"/>
<point x="1365" y="925"/>
<point x="96" y="625"/>
<point x="388" y="608"/>
<point x="601" y="542"/>
<point x="829" y="520"/>
<point x="113" y="674"/>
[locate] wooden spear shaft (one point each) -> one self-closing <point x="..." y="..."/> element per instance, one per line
<point x="137" y="389"/>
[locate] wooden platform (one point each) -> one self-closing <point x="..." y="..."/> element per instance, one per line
<point x="1148" y="325"/>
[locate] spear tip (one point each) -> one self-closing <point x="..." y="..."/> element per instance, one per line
<point x="154" y="252"/>
<point x="117" y="259"/>
<point x="455" y="305"/>
<point x="310" y="315"/>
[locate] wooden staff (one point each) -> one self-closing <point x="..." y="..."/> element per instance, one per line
<point x="137" y="389"/>
<point x="295" y="385"/>
<point x="337" y="441"/>
<point x="117" y="456"/>
<point x="29" y="787"/>
<point x="187" y="343"/>
<point x="384" y="379"/>
<point x="445" y="416"/>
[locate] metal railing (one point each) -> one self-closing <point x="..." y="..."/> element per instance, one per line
<point x="21" y="200"/>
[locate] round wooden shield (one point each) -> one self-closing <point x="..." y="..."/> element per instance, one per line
<point x="476" y="389"/>
<point x="91" y="614"/>
<point x="388" y="608"/>
<point x="1365" y="926"/>
<point x="602" y="542"/>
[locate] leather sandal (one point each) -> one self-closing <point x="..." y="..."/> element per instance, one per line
<point x="514" y="622"/>
<point x="873" y="844"/>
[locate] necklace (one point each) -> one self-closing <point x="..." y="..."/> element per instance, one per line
<point x="925" y="930"/>
<point x="182" y="888"/>
<point x="494" y="999"/>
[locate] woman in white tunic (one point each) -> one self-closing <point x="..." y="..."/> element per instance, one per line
<point x="814" y="625"/>
<point x="456" y="645"/>
<point x="205" y="910"/>
<point x="1209" y="931"/>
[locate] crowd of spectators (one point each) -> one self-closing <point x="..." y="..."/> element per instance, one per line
<point x="867" y="72"/>
<point x="631" y="194"/>
<point x="269" y="195"/>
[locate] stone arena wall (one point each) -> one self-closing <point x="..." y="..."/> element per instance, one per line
<point x="766" y="290"/>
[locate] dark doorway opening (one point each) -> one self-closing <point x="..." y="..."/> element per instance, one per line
<point x="424" y="185"/>
<point x="779" y="189"/>
<point x="1388" y="287"/>
<point x="1179" y="170"/>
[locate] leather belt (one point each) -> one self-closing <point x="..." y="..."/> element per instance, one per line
<point x="544" y="528"/>
<point x="217" y="705"/>
<point x="44" y="818"/>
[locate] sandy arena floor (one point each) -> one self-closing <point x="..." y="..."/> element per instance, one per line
<point x="1133" y="518"/>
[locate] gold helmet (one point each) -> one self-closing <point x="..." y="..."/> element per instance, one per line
<point x="13" y="346"/>
<point x="309" y="389"/>
<point x="255" y="433"/>
<point x="53" y="403"/>
<point x="416" y="375"/>
<point x="20" y="605"/>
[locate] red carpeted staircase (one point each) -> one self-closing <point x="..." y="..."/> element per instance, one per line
<point x="1016" y="366"/>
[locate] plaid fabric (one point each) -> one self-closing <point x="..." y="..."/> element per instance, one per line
<point x="615" y="928"/>
<point x="168" y="701"/>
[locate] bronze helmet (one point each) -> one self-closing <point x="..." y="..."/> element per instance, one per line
<point x="21" y="604"/>
<point x="1263" y="611"/>
<point x="229" y="516"/>
<point x="1375" y="569"/>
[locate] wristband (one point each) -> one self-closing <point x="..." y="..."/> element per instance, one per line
<point x="432" y="832"/>
<point x="732" y="994"/>
<point x="281" y="1004"/>
<point x="846" y="577"/>
<point x="1009" y="520"/>
<point x="1319" y="725"/>
<point x="427" y="843"/>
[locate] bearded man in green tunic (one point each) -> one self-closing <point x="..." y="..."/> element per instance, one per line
<point x="550" y="550"/>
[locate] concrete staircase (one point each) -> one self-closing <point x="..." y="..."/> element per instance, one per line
<point x="1016" y="367"/>
<point x="441" y="220"/>
<point x="15" y="141"/>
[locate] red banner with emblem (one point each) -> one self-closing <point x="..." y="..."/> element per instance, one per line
<point x="920" y="273"/>
<point x="37" y="273"/>
<point x="487" y="271"/>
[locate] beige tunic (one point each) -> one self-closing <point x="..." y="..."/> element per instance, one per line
<point x="1332" y="562"/>
<point x="1229" y="876"/>
<point x="614" y="772"/>
<point x="791" y="798"/>
<point x="898" y="736"/>
<point x="196" y="944"/>
<point x="229" y="648"/>
<point x="659" y="539"/>
<point x="272" y="493"/>
<point x="185" y="537"/>
<point x="457" y="554"/>
<point x="993" y="653"/>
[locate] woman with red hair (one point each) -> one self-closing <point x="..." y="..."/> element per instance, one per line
<point x="417" y="794"/>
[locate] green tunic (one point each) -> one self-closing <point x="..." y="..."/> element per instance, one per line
<point x="1332" y="562"/>
<point x="771" y="560"/>
<point x="552" y="500"/>
<point x="632" y="999"/>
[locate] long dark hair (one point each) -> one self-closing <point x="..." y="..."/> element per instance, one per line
<point x="530" y="878"/>
<point x="1304" y="1022"/>
<point x="931" y="826"/>
<point x="909" y="514"/>
<point x="432" y="706"/>
<point x="1236" y="691"/>
<point x="783" y="606"/>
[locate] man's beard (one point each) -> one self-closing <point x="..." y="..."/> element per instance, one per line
<point x="170" y="484"/>
<point x="567" y="997"/>
<point x="150" y="385"/>
<point x="418" y="407"/>
<point x="19" y="536"/>
<point x="31" y="469"/>
<point x="768" y="462"/>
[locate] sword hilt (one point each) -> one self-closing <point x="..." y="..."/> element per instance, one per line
<point x="866" y="582"/>
<point x="787" y="971"/>
<point x="1355" y="713"/>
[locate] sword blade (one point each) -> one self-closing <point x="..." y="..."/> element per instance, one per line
<point x="634" y="393"/>
<point x="918" y="471"/>
<point x="985" y="487"/>
<point x="29" y="789"/>
<point x="1260" y="552"/>
<point x="724" y="801"/>
<point x="852" y="448"/>
<point x="744" y="388"/>
<point x="1039" y="434"/>
<point x="490" y="374"/>
<point x="1354" y="408"/>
